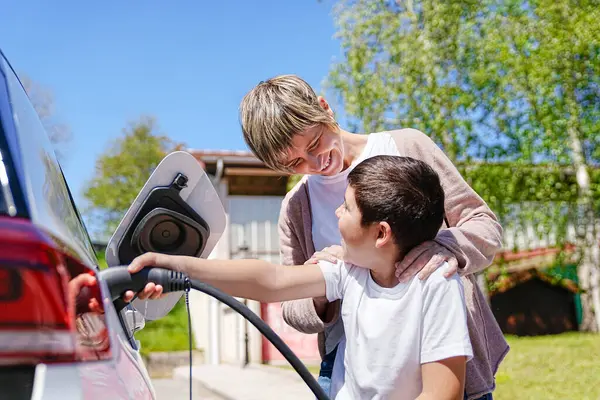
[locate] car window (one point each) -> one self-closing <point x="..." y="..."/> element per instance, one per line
<point x="3" y="181"/>
<point x="5" y="192"/>
<point x="51" y="205"/>
<point x="3" y="210"/>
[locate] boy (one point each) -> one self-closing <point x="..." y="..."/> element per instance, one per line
<point x="403" y="340"/>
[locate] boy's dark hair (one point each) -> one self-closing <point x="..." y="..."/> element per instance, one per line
<point x="402" y="191"/>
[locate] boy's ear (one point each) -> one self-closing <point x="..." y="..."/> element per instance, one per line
<point x="384" y="234"/>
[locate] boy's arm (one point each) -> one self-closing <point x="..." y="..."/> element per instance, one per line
<point x="250" y="279"/>
<point x="445" y="343"/>
<point x="444" y="379"/>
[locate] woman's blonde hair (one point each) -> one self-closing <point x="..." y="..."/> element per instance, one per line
<point x="276" y="110"/>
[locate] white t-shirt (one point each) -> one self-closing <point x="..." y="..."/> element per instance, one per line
<point x="326" y="195"/>
<point x="327" y="192"/>
<point x="390" y="332"/>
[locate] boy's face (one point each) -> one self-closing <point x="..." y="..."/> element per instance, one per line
<point x="358" y="242"/>
<point x="316" y="151"/>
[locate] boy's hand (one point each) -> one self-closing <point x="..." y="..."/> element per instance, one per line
<point x="426" y="259"/>
<point x="151" y="291"/>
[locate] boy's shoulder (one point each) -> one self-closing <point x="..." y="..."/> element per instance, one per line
<point x="341" y="271"/>
<point x="438" y="279"/>
<point x="339" y="264"/>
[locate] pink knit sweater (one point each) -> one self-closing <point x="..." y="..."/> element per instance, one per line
<point x="474" y="236"/>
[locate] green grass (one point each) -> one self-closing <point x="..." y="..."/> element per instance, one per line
<point x="554" y="367"/>
<point x="565" y="366"/>
<point x="166" y="334"/>
<point x="101" y="259"/>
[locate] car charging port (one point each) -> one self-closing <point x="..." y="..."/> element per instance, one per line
<point x="119" y="280"/>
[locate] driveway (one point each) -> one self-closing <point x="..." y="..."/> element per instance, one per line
<point x="179" y="389"/>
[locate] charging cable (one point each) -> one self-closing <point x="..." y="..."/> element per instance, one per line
<point x="119" y="280"/>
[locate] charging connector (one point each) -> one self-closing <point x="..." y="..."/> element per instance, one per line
<point x="119" y="280"/>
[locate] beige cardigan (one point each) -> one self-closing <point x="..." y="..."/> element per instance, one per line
<point x="474" y="237"/>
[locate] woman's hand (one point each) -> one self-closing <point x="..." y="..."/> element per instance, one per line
<point x="331" y="254"/>
<point x="425" y="259"/>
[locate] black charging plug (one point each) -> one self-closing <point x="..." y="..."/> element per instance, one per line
<point x="120" y="280"/>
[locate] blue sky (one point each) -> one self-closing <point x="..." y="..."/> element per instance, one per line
<point x="188" y="63"/>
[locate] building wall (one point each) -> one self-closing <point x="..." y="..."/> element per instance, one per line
<point x="254" y="234"/>
<point x="303" y="345"/>
<point x="204" y="309"/>
<point x="251" y="233"/>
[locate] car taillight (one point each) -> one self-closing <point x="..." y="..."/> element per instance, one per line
<point x="50" y="304"/>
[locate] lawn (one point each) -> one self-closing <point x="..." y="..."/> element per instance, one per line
<point x="555" y="367"/>
<point x="166" y="334"/>
<point x="565" y="366"/>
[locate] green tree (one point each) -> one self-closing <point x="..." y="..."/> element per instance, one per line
<point x="513" y="83"/>
<point x="539" y="72"/>
<point x="123" y="170"/>
<point x="403" y="65"/>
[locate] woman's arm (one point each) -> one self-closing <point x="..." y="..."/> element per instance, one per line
<point x="307" y="315"/>
<point x="444" y="379"/>
<point x="474" y="235"/>
<point x="251" y="279"/>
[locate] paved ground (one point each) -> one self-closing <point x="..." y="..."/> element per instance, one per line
<point x="179" y="389"/>
<point x="255" y="382"/>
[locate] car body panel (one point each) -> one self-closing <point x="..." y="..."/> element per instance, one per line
<point x="40" y="193"/>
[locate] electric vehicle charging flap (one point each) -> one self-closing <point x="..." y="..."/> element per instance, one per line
<point x="178" y="212"/>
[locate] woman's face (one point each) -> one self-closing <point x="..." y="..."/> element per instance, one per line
<point x="316" y="151"/>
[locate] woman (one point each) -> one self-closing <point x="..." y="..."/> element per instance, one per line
<point x="290" y="129"/>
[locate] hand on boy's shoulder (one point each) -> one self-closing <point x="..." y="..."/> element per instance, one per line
<point x="439" y="279"/>
<point x="425" y="259"/>
<point x="336" y="264"/>
<point x="445" y="272"/>
<point x="331" y="254"/>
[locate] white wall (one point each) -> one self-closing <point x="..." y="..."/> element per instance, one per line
<point x="206" y="332"/>
<point x="251" y="221"/>
<point x="252" y="234"/>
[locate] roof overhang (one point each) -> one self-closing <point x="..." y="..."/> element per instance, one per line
<point x="245" y="174"/>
